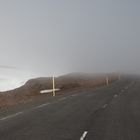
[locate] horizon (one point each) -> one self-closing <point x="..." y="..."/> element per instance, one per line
<point x="43" y="38"/>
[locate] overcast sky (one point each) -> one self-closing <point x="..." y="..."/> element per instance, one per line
<point x="44" y="37"/>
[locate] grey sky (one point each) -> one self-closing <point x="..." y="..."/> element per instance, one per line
<point x="59" y="36"/>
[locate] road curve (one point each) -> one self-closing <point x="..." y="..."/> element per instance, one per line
<point x="108" y="113"/>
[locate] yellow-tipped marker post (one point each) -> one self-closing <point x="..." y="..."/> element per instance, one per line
<point x="53" y="79"/>
<point x="107" y="81"/>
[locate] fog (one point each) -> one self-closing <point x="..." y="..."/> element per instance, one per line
<point x="46" y="37"/>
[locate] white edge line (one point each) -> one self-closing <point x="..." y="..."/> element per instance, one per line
<point x="61" y="99"/>
<point x="43" y="105"/>
<point x="74" y="95"/>
<point x="11" y="116"/>
<point x="84" y="135"/>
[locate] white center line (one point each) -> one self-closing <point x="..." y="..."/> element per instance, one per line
<point x="115" y="95"/>
<point x="126" y="88"/>
<point x="84" y="135"/>
<point x="105" y="106"/>
<point x="11" y="116"/>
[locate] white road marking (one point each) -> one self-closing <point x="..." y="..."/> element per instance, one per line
<point x="43" y="105"/>
<point x="74" y="95"/>
<point x="115" y="95"/>
<point x="11" y="116"/>
<point x="84" y="135"/>
<point x="126" y="87"/>
<point x="61" y="99"/>
<point x="105" y="106"/>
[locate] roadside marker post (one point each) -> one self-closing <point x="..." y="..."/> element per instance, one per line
<point x="107" y="81"/>
<point x="53" y="80"/>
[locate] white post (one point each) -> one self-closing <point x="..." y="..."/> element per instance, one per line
<point x="53" y="80"/>
<point x="107" y="81"/>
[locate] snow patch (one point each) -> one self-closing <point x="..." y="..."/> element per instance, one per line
<point x="48" y="91"/>
<point x="12" y="78"/>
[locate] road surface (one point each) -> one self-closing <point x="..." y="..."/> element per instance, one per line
<point x="108" y="113"/>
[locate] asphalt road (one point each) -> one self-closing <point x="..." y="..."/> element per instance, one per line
<point x="108" y="113"/>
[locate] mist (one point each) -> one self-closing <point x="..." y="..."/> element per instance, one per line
<point x="46" y="37"/>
